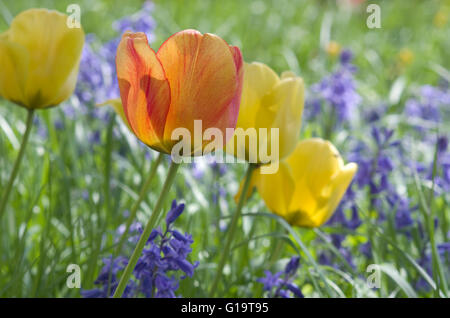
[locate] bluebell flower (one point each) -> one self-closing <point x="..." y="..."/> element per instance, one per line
<point x="174" y="212"/>
<point x="325" y="259"/>
<point x="338" y="90"/>
<point x="444" y="251"/>
<point x="157" y="272"/>
<point x="94" y="137"/>
<point x="366" y="249"/>
<point x="59" y="124"/>
<point x="280" y="284"/>
<point x="403" y="214"/>
<point x="270" y="281"/>
<point x="346" y="56"/>
<point x="430" y="103"/>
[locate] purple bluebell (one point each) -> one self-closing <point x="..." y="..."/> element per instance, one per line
<point x="163" y="263"/>
<point x="281" y="283"/>
<point x="366" y="249"/>
<point x="338" y="90"/>
<point x="403" y="216"/>
<point x="429" y="104"/>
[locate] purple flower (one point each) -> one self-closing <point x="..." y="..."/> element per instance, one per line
<point x="158" y="269"/>
<point x="403" y="215"/>
<point x="280" y="284"/>
<point x="337" y="90"/>
<point x="366" y="249"/>
<point x="174" y="212"/>
<point x="429" y="103"/>
<point x="270" y="281"/>
<point x="346" y="56"/>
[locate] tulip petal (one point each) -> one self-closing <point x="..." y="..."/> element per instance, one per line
<point x="144" y="89"/>
<point x="277" y="189"/>
<point x="315" y="160"/>
<point x="259" y="79"/>
<point x="15" y="60"/>
<point x="339" y="185"/>
<point x="320" y="181"/>
<point x="202" y="72"/>
<point x="55" y="52"/>
<point x="230" y="116"/>
<point x="282" y="108"/>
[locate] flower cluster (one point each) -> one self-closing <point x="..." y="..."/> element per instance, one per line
<point x="337" y="90"/>
<point x="280" y="284"/>
<point x="430" y="103"/>
<point x="157" y="270"/>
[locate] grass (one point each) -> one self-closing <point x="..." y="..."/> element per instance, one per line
<point x="71" y="195"/>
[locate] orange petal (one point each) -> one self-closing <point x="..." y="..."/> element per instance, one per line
<point x="144" y="89"/>
<point x="232" y="112"/>
<point x="201" y="70"/>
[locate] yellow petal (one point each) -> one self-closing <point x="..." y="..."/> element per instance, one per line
<point x="339" y="185"/>
<point x="282" y="108"/>
<point x="277" y="189"/>
<point x="321" y="180"/>
<point x="54" y="54"/>
<point x="288" y="74"/>
<point x="13" y="76"/>
<point x="259" y="79"/>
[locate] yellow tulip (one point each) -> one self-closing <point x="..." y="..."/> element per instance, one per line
<point x="309" y="183"/>
<point x="39" y="59"/>
<point x="269" y="101"/>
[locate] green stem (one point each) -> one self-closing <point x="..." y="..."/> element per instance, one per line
<point x="137" y="203"/>
<point x="147" y="231"/>
<point x="232" y="230"/>
<point x="15" y="170"/>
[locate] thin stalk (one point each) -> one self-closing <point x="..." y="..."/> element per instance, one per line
<point x="436" y="262"/>
<point x="137" y="203"/>
<point x="147" y="231"/>
<point x="232" y="230"/>
<point x="19" y="158"/>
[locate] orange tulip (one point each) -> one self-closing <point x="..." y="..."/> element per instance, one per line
<point x="193" y="76"/>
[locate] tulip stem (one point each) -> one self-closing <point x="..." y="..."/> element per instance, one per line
<point x="15" y="170"/>
<point x="147" y="231"/>
<point x="140" y="198"/>
<point x="232" y="230"/>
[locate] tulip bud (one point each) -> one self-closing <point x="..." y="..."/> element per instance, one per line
<point x="39" y="59"/>
<point x="309" y="185"/>
<point x="268" y="103"/>
<point x="192" y="77"/>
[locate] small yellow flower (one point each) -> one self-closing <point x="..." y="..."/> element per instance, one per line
<point x="406" y="57"/>
<point x="39" y="59"/>
<point x="309" y="184"/>
<point x="441" y="18"/>
<point x="269" y="101"/>
<point x="333" y="49"/>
